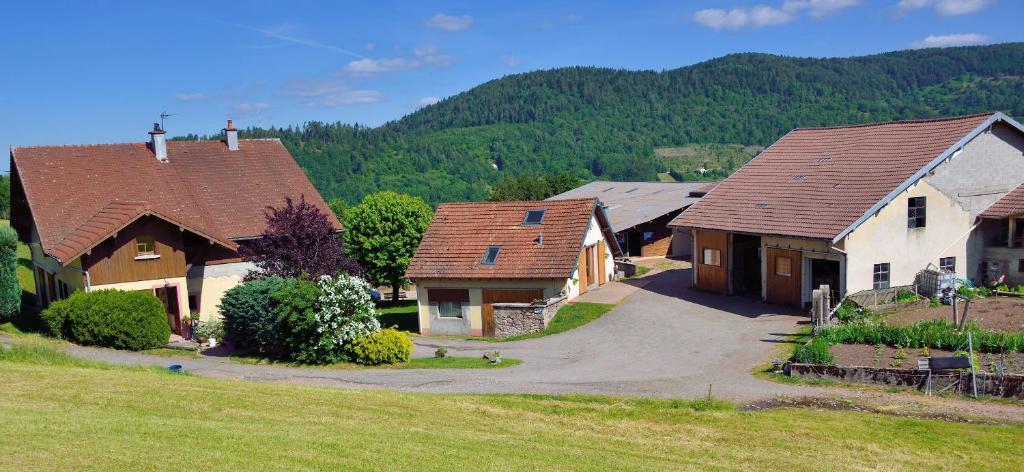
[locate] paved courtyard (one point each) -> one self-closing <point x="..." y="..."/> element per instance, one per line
<point x="664" y="340"/>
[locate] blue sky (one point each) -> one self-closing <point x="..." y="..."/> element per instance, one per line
<point x="79" y="73"/>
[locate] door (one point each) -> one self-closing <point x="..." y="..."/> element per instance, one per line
<point x="169" y="298"/>
<point x="491" y="297"/>
<point x="582" y="267"/>
<point x="784" y="280"/>
<point x="591" y="252"/>
<point x="711" y="261"/>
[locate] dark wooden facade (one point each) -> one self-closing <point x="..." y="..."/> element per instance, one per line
<point x="712" y="277"/>
<point x="116" y="260"/>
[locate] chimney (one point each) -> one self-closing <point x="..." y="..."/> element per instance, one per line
<point x="158" y="143"/>
<point x="231" y="136"/>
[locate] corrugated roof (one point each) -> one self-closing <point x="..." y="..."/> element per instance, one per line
<point x="73" y="191"/>
<point x="631" y="203"/>
<point x="817" y="182"/>
<point x="460" y="234"/>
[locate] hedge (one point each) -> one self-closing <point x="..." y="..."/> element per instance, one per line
<point x="110" y="318"/>
<point x="10" y="288"/>
<point x="387" y="346"/>
<point x="247" y="311"/>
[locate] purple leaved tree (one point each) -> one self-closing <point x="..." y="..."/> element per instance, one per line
<point x="299" y="241"/>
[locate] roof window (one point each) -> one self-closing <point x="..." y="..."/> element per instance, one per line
<point x="760" y="205"/>
<point x="799" y="177"/>
<point x="492" y="255"/>
<point x="632" y="189"/>
<point x="534" y="217"/>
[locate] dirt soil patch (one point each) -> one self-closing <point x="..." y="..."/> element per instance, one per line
<point x="863" y="355"/>
<point x="1003" y="314"/>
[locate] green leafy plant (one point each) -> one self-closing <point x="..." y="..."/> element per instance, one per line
<point x="904" y="296"/>
<point x="248" y="315"/>
<point x="849" y="312"/>
<point x="387" y="346"/>
<point x="110" y="318"/>
<point x="441" y="351"/>
<point x="10" y="288"/>
<point x="935" y="334"/>
<point x="210" y="329"/>
<point x="816" y="351"/>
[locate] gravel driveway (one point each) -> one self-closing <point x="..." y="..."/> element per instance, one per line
<point x="665" y="340"/>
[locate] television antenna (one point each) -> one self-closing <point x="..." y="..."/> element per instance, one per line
<point x="163" y="116"/>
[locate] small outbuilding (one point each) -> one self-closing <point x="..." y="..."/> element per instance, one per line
<point x="503" y="268"/>
<point x="641" y="211"/>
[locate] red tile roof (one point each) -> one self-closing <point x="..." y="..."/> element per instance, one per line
<point x="1011" y="204"/>
<point x="76" y="193"/>
<point x="460" y="233"/>
<point x="816" y="182"/>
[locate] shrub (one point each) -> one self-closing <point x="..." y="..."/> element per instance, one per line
<point x="10" y="288"/>
<point x="210" y="329"/>
<point x="816" y="351"/>
<point x="849" y="312"/>
<point x="387" y="346"/>
<point x="904" y="295"/>
<point x="321" y="318"/>
<point x="247" y="313"/>
<point x="110" y="318"/>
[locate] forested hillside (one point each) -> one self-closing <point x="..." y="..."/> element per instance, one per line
<point x="604" y="123"/>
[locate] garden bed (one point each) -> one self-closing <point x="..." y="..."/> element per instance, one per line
<point x="888" y="357"/>
<point x="1001" y="314"/>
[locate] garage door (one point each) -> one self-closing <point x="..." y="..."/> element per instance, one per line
<point x="491" y="297"/>
<point x="783" y="281"/>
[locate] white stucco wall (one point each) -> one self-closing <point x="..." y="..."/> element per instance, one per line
<point x="211" y="281"/>
<point x="593" y="236"/>
<point x="886" y="238"/>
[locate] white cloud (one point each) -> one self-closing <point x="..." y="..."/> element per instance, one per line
<point x="422" y="56"/>
<point x="741" y="18"/>
<point x="818" y="8"/>
<point x="426" y="101"/>
<point x="450" y="23"/>
<point x="329" y="93"/>
<point x="950" y="40"/>
<point x="191" y="97"/>
<point x="511" y="61"/>
<point x="944" y="7"/>
<point x="278" y="33"/>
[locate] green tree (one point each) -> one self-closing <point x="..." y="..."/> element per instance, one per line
<point x="382" y="234"/>
<point x="338" y="207"/>
<point x="5" y="197"/>
<point x="532" y="187"/>
<point x="10" y="289"/>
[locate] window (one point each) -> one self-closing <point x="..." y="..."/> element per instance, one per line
<point x="193" y="303"/>
<point x="712" y="257"/>
<point x="783" y="266"/>
<point x="145" y="246"/>
<point x="947" y="264"/>
<point x="492" y="255"/>
<point x="1020" y="265"/>
<point x="448" y="302"/>
<point x="534" y="217"/>
<point x="881" y="276"/>
<point x="916" y="212"/>
<point x="648" y="236"/>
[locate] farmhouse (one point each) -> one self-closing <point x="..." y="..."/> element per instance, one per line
<point x="163" y="216"/>
<point x="641" y="211"/>
<point x="864" y="207"/>
<point x="475" y="256"/>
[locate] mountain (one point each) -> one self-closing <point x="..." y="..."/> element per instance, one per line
<point x="606" y="123"/>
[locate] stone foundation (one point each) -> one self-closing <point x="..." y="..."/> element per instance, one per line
<point x="1006" y="386"/>
<point x="513" y="319"/>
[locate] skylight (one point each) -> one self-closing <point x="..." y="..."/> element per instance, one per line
<point x="534" y="217"/>
<point x="492" y="255"/>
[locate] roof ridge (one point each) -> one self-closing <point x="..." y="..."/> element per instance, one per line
<point x="897" y="122"/>
<point x="40" y="146"/>
<point x="508" y="202"/>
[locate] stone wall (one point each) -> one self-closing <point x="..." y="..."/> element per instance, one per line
<point x="1007" y="385"/>
<point x="513" y="319"/>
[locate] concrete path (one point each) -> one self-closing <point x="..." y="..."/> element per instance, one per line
<point x="612" y="292"/>
<point x="664" y="341"/>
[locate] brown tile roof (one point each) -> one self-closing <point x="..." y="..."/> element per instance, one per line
<point x="1011" y="204"/>
<point x="460" y="233"/>
<point x="816" y="182"/>
<point x="76" y="192"/>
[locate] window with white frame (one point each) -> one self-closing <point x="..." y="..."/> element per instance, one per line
<point x="881" y="276"/>
<point x="711" y="257"/>
<point x="947" y="264"/>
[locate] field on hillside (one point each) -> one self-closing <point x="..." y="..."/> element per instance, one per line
<point x="60" y="413"/>
<point x="718" y="161"/>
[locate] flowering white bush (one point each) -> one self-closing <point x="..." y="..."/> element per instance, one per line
<point x="345" y="310"/>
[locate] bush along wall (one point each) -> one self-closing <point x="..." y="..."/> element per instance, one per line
<point x="310" y="322"/>
<point x="110" y="318"/>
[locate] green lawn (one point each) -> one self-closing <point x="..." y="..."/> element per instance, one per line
<point x="401" y="314"/>
<point x="61" y="414"/>
<point x="571" y="315"/>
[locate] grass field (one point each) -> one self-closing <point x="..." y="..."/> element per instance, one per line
<point x="61" y="413"/>
<point x="401" y="314"/>
<point x="571" y="315"/>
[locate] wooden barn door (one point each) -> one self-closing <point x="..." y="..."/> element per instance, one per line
<point x="711" y="261"/>
<point x="490" y="297"/>
<point x="784" y="277"/>
<point x="583" y="271"/>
